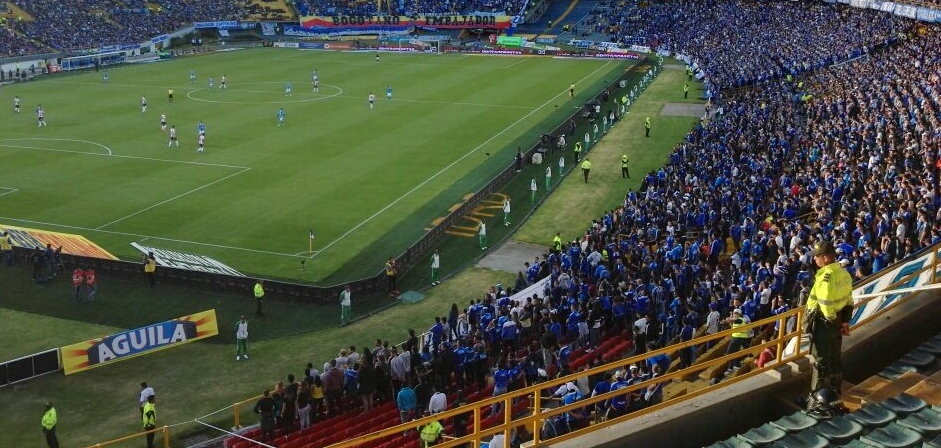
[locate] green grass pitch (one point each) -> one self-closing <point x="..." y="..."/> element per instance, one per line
<point x="364" y="180"/>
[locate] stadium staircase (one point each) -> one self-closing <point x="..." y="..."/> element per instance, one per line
<point x="14" y="12"/>
<point x="556" y="13"/>
<point x="898" y="407"/>
<point x="356" y="423"/>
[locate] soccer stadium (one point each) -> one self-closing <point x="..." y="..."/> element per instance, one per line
<point x="485" y="223"/>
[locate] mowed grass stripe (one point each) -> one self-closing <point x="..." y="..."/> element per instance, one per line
<point x="332" y="167"/>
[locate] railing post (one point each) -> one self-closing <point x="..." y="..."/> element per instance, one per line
<point x="166" y="436"/>
<point x="537" y="409"/>
<point x="476" y="426"/>
<point x="236" y="420"/>
<point x="782" y="327"/>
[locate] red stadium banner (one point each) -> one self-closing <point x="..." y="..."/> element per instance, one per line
<point x="444" y="21"/>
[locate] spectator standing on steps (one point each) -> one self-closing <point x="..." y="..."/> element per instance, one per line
<point x="241" y="339"/>
<point x="506" y="212"/>
<point x="259" y="291"/>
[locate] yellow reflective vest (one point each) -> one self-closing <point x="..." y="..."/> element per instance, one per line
<point x="832" y="291"/>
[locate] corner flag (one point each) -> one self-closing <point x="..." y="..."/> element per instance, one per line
<point x="310" y="240"/>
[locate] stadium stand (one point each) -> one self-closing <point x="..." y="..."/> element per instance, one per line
<point x="727" y="223"/>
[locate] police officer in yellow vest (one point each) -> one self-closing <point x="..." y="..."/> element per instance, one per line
<point x="259" y="296"/>
<point x="829" y="310"/>
<point x="49" y="421"/>
<point x="686" y="90"/>
<point x="740" y="338"/>
<point x="586" y="168"/>
<point x="150" y="420"/>
<point x="647" y="127"/>
<point x="557" y="242"/>
<point x="624" y="171"/>
<point x="431" y="433"/>
<point x="578" y="150"/>
<point x="6" y="248"/>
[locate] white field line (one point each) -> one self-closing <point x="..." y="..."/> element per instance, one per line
<point x="151" y="159"/>
<point x="8" y="190"/>
<point x="522" y="60"/>
<point x="452" y="164"/>
<point x="171" y="199"/>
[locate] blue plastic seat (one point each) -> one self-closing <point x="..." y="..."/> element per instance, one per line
<point x="795" y="422"/>
<point x="892" y="436"/>
<point x="839" y="430"/>
<point x="926" y="422"/>
<point x="931" y="346"/>
<point x="918" y="358"/>
<point x="904" y="404"/>
<point x="763" y="435"/>
<point x="873" y="416"/>
<point x="897" y="369"/>
<point x="804" y="439"/>
<point x="731" y="442"/>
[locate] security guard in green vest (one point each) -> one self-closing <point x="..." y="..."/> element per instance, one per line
<point x="586" y="168"/>
<point x="647" y="127"/>
<point x="829" y="310"/>
<point x="557" y="242"/>
<point x="49" y="421"/>
<point x="259" y="296"/>
<point x="578" y="150"/>
<point x="685" y="90"/>
<point x="431" y="433"/>
<point x="150" y="420"/>
<point x="740" y="339"/>
<point x="624" y="171"/>
<point x="689" y="73"/>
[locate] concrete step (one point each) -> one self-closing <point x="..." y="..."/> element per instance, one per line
<point x="853" y="398"/>
<point x="893" y="388"/>
<point x="928" y="389"/>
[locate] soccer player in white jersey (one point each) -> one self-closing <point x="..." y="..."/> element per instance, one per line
<point x="202" y="143"/>
<point x="173" y="139"/>
<point x="16" y="104"/>
<point x="211" y="82"/>
<point x="40" y="116"/>
<point x="372" y="99"/>
<point x="289" y="89"/>
<point x="222" y="82"/>
<point x="192" y="76"/>
<point x="163" y="122"/>
<point x="317" y="86"/>
<point x="143" y="104"/>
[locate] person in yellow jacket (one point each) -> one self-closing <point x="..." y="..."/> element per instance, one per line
<point x="586" y="168"/>
<point x="150" y="420"/>
<point x="259" y="297"/>
<point x="6" y="248"/>
<point x="49" y="421"/>
<point x="431" y="434"/>
<point x="150" y="268"/>
<point x="829" y="310"/>
<point x="625" y="172"/>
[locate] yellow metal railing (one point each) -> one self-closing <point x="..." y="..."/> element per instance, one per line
<point x="923" y="270"/>
<point x="164" y="431"/>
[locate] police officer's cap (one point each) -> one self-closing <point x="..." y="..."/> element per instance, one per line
<point x="824" y="247"/>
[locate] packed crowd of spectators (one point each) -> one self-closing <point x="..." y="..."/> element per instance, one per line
<point x="87" y="24"/>
<point x="12" y="45"/>
<point x="411" y="8"/>
<point x="848" y="153"/>
<point x="770" y="39"/>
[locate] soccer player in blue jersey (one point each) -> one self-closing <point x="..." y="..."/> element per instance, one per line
<point x="201" y="128"/>
<point x="211" y="82"/>
<point x="192" y="76"/>
<point x="280" y="116"/>
<point x="389" y="92"/>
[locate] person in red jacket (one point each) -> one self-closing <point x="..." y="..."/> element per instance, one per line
<point x="78" y="282"/>
<point x="91" y="284"/>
